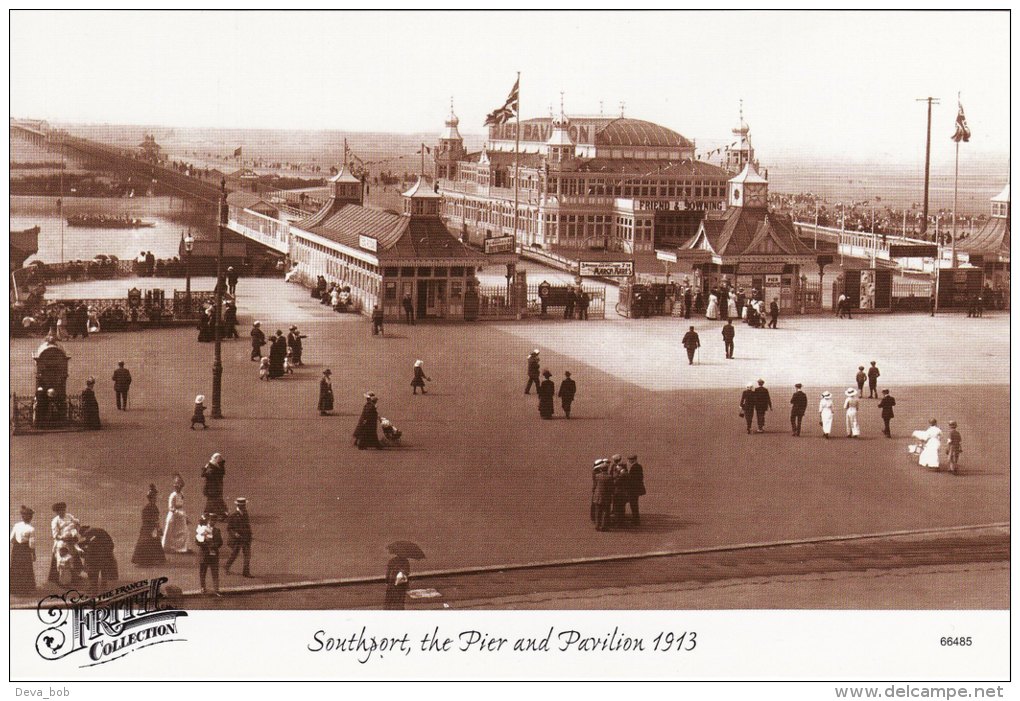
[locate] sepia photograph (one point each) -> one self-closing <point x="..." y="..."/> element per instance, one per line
<point x="358" y="331"/>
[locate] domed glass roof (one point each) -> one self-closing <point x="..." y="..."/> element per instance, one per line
<point x="637" y="132"/>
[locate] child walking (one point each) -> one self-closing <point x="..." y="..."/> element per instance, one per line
<point x="955" y="448"/>
<point x="419" y="377"/>
<point x="199" y="416"/>
<point x="264" y="369"/>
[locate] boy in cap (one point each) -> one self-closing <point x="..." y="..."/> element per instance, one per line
<point x="861" y="379"/>
<point x="568" y="388"/>
<point x="873" y="374"/>
<point x="377" y="321"/>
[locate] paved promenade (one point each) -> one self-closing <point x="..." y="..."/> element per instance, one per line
<point x="481" y="480"/>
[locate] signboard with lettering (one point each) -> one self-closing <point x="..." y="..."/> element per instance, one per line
<point x="773" y="279"/>
<point x="368" y="243"/>
<point x="606" y="268"/>
<point x="919" y="250"/>
<point x="760" y="269"/>
<point x="666" y="256"/>
<point x="580" y="133"/>
<point x="499" y="244"/>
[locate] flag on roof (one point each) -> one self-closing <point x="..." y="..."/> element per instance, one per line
<point x="424" y="149"/>
<point x="502" y="115"/>
<point x="962" y="132"/>
<point x="237" y="152"/>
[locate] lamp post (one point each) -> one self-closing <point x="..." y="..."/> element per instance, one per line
<point x="217" y="412"/>
<point x="189" y="244"/>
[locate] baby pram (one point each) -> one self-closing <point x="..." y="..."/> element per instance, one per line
<point x="391" y="436"/>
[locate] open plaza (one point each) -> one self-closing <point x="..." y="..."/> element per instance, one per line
<point x="480" y="479"/>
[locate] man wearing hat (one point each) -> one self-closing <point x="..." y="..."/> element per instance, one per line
<point x="886" y="404"/>
<point x="230" y="320"/>
<point x="239" y="536"/>
<point x="762" y="403"/>
<point x="691" y="343"/>
<point x="798" y="407"/>
<point x="635" y="487"/>
<point x="568" y="388"/>
<point x="534" y="366"/>
<point x="121" y="385"/>
<point x="90" y="406"/>
<point x="258" y="339"/>
<point x="873" y="375"/>
<point x="232" y="281"/>
<point x="747" y="404"/>
<point x="728" y="333"/>
<point x="546" y="396"/>
<point x="602" y="495"/>
<point x="365" y="433"/>
<point x="294" y="343"/>
<point x="620" y="481"/>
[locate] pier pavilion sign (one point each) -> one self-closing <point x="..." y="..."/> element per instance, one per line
<point x="606" y="268"/>
<point x="500" y="244"/>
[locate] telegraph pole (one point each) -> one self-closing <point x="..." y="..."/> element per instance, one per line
<point x="927" y="163"/>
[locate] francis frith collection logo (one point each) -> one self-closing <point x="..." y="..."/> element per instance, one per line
<point x="108" y="626"/>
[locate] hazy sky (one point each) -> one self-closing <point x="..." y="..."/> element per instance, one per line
<point x="835" y="84"/>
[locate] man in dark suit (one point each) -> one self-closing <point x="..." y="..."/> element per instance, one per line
<point x="762" y="403"/>
<point x="688" y="302"/>
<point x="232" y="280"/>
<point x="774" y="314"/>
<point x="635" y="488"/>
<point x="602" y="497"/>
<point x="798" y="406"/>
<point x="728" y="332"/>
<point x="691" y="343"/>
<point x="534" y="366"/>
<point x="568" y="388"/>
<point x="886" y="404"/>
<point x="239" y="536"/>
<point x="747" y="404"/>
<point x="873" y="374"/>
<point x="121" y="384"/>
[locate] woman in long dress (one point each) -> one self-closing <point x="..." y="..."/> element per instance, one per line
<point x="149" y="549"/>
<point x="326" y="393"/>
<point x="825" y="413"/>
<point x="365" y="434"/>
<point x="731" y="307"/>
<point x="851" y="404"/>
<point x="713" y="307"/>
<point x="64" y="529"/>
<point x="931" y="440"/>
<point x="175" y="532"/>
<point x="23" y="554"/>
<point x="277" y="352"/>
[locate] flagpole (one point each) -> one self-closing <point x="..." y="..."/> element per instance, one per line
<point x="517" y="156"/>
<point x="956" y="187"/>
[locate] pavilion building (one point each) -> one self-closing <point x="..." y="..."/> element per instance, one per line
<point x="609" y="183"/>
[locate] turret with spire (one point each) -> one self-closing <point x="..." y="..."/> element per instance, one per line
<point x="450" y="148"/>
<point x="741" y="152"/>
<point x="560" y="147"/>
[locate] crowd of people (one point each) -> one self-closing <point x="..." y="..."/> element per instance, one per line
<point x="615" y="485"/>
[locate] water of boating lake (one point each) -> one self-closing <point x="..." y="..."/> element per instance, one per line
<point x="172" y="217"/>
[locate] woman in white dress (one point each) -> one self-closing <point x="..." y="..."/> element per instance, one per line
<point x="175" y="534"/>
<point x="851" y="404"/>
<point x="731" y="306"/>
<point x="713" y="307"/>
<point x="931" y="440"/>
<point x="825" y="413"/>
<point x="93" y="320"/>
